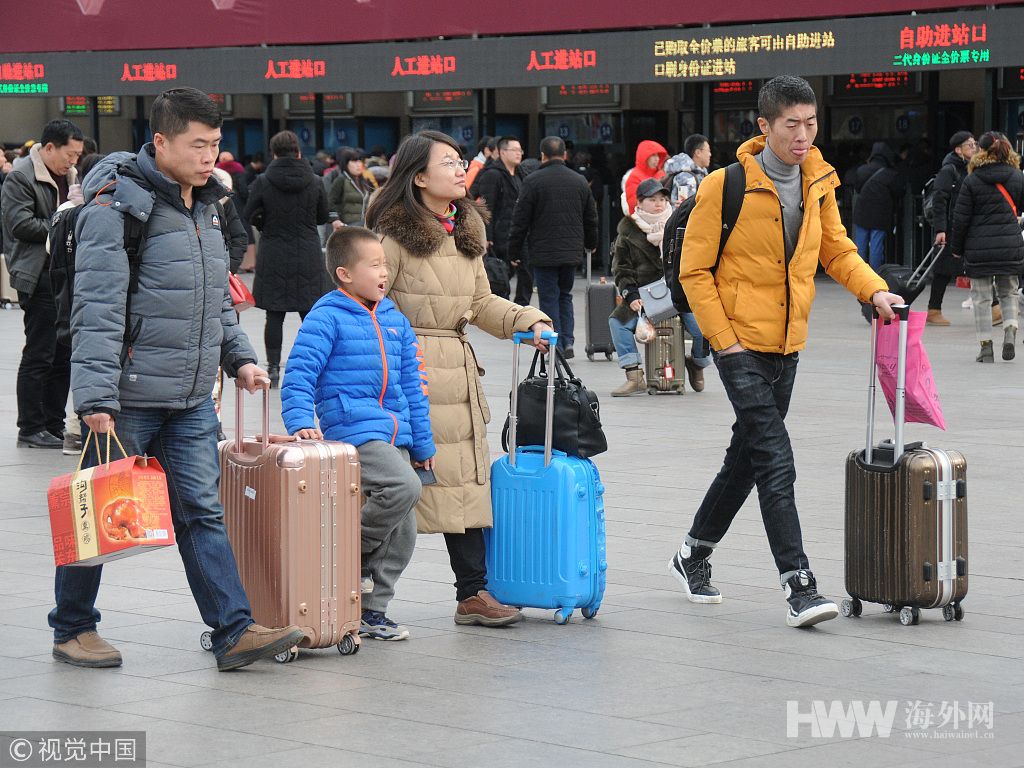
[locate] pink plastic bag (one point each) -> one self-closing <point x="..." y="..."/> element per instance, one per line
<point x="922" y="405"/>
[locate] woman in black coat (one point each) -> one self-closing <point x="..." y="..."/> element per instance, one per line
<point x="987" y="235"/>
<point x="286" y="204"/>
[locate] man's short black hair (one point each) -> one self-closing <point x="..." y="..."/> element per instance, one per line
<point x="552" y="146"/>
<point x="504" y="141"/>
<point x="695" y="142"/>
<point x="173" y="110"/>
<point x="284" y="144"/>
<point x="486" y="142"/>
<point x="343" y="248"/>
<point x="781" y="92"/>
<point x="60" y="132"/>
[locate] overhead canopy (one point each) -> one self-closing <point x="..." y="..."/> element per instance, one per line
<point x="108" y="25"/>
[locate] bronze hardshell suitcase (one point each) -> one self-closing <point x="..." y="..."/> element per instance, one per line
<point x="665" y="359"/>
<point x="906" y="518"/>
<point x="292" y="510"/>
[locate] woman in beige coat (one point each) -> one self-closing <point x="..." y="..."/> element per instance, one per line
<point x="435" y="240"/>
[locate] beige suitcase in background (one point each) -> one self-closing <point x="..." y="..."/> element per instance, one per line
<point x="292" y="510"/>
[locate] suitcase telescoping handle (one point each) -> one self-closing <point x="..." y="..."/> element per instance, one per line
<point x="239" y="421"/>
<point x="903" y="314"/>
<point x="549" y="408"/>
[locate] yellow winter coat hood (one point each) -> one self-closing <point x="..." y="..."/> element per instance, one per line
<point x="755" y="297"/>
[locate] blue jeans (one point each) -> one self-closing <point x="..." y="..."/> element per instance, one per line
<point x="871" y="244"/>
<point x="759" y="386"/>
<point x="554" y="294"/>
<point x="185" y="444"/>
<point x="625" y="341"/>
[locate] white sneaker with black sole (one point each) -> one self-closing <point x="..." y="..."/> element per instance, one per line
<point x="694" y="573"/>
<point x="806" y="606"/>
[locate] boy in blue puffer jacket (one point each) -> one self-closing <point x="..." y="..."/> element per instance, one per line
<point x="357" y="368"/>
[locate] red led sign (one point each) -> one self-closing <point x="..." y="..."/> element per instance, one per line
<point x="295" y="69"/>
<point x="562" y="59"/>
<point x="149" y="72"/>
<point x="423" y="66"/>
<point x="733" y="86"/>
<point x="22" y="71"/>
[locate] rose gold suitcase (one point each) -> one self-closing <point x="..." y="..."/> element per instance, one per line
<point x="292" y="510"/>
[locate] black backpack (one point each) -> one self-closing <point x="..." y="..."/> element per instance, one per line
<point x="64" y="246"/>
<point x="733" y="190"/>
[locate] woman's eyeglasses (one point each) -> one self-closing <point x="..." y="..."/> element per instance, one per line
<point x="451" y="165"/>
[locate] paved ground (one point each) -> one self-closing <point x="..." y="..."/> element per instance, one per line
<point x="653" y="680"/>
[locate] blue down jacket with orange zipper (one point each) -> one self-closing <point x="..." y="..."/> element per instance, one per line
<point x="362" y="370"/>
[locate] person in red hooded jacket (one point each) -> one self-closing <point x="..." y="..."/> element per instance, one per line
<point x="650" y="157"/>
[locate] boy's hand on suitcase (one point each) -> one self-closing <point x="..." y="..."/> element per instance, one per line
<point x="884" y="301"/>
<point x="538" y="329"/>
<point x="428" y="464"/>
<point x="252" y="377"/>
<point x="310" y="434"/>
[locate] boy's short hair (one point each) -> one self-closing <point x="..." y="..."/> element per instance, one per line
<point x="782" y="92"/>
<point x="343" y="248"/>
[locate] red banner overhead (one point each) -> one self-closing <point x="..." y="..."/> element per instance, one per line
<point x="110" y="25"/>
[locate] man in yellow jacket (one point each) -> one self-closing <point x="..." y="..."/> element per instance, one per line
<point x="752" y="304"/>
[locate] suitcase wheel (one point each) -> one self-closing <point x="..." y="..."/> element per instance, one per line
<point x="607" y="355"/>
<point x="852" y="607"/>
<point x="589" y="613"/>
<point x="562" y="615"/>
<point x="590" y="356"/>
<point x="206" y="641"/>
<point x="888" y="607"/>
<point x="953" y="611"/>
<point x="287" y="657"/>
<point x="909" y="616"/>
<point x="348" y="646"/>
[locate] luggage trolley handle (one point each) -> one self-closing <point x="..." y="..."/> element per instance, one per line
<point x="518" y="339"/>
<point x="240" y="422"/>
<point x="903" y="314"/>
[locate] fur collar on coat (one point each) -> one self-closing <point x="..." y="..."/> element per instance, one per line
<point x="423" y="238"/>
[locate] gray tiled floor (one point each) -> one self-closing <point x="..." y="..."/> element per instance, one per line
<point x="653" y="680"/>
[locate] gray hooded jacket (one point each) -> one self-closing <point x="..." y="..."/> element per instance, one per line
<point x="182" y="321"/>
<point x="688" y="176"/>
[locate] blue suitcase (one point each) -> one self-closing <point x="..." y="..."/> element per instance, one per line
<point x="547" y="546"/>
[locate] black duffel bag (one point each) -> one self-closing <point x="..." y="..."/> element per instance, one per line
<point x="576" y="427"/>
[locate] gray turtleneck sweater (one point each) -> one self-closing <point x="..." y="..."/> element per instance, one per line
<point x="790" y="188"/>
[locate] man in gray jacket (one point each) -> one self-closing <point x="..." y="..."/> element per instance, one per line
<point x="151" y="368"/>
<point x="36" y="186"/>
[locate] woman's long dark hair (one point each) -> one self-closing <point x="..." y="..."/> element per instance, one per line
<point x="400" y="189"/>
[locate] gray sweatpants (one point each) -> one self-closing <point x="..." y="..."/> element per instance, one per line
<point x="392" y="489"/>
<point x="981" y="295"/>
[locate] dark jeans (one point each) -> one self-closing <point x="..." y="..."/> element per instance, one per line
<point x="524" y="285"/>
<point x="469" y="561"/>
<point x="44" y="375"/>
<point x="554" y="289"/>
<point x="939" y="285"/>
<point x="185" y="444"/>
<point x="759" y="386"/>
<point x="273" y="335"/>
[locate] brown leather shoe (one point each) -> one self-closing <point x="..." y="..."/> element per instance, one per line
<point x="87" y="650"/>
<point x="259" y="643"/>
<point x="997" y="315"/>
<point x="695" y="374"/>
<point x="484" y="610"/>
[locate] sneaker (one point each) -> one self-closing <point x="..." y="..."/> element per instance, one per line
<point x="806" y="606"/>
<point x="87" y="650"/>
<point x="72" y="444"/>
<point x="568" y="353"/>
<point x="366" y="584"/>
<point x="259" y="643"/>
<point x="967" y="303"/>
<point x="484" y="610"/>
<point x="376" y="626"/>
<point x="694" y="573"/>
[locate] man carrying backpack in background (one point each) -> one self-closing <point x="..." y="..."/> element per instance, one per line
<point x="938" y="209"/>
<point x="147" y="341"/>
<point x="32" y="191"/>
